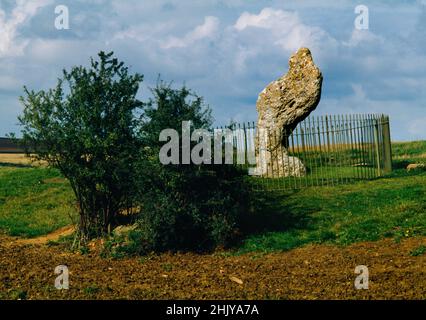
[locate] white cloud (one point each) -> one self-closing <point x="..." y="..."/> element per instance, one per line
<point x="406" y="119"/>
<point x="206" y="30"/>
<point x="228" y="52"/>
<point x="268" y="18"/>
<point x="23" y="11"/>
<point x="363" y="37"/>
<point x="285" y="28"/>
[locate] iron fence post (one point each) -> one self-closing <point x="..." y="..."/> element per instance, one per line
<point x="377" y="146"/>
<point x="387" y="146"/>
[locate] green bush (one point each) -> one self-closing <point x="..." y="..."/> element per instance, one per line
<point x="185" y="207"/>
<point x="87" y="129"/>
<point x="197" y="210"/>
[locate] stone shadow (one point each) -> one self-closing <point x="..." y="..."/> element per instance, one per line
<point x="270" y="212"/>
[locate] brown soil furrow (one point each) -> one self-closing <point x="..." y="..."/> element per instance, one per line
<point x="311" y="272"/>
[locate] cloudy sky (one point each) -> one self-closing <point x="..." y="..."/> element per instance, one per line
<point x="228" y="51"/>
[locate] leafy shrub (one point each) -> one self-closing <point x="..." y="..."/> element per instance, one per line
<point x="196" y="210"/>
<point x="185" y="207"/>
<point x="86" y="127"/>
<point x="89" y="128"/>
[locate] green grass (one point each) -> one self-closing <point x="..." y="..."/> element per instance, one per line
<point x="363" y="211"/>
<point x="405" y="153"/>
<point x="420" y="250"/>
<point x="393" y="206"/>
<point x="413" y="150"/>
<point x="33" y="201"/>
<point x="325" y="176"/>
<point x="343" y="156"/>
<point x="36" y="201"/>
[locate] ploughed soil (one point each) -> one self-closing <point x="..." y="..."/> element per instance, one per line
<point x="310" y="272"/>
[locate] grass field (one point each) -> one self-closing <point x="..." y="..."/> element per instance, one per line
<point x="33" y="201"/>
<point x="318" y="176"/>
<point x="412" y="151"/>
<point x="36" y="200"/>
<point x="364" y="211"/>
<point x="393" y="206"/>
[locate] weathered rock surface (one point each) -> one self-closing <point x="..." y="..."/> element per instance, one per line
<point x="281" y="106"/>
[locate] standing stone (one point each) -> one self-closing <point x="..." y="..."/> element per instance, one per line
<point x="281" y="106"/>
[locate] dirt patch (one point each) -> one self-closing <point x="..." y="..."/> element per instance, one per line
<point x="311" y="272"/>
<point x="55" y="235"/>
<point x="54" y="180"/>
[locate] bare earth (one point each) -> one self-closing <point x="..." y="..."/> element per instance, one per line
<point x="311" y="272"/>
<point x="62" y="232"/>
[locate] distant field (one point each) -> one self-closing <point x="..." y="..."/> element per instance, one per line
<point x="9" y="146"/>
<point x="415" y="150"/>
<point x="14" y="158"/>
<point x="20" y="159"/>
